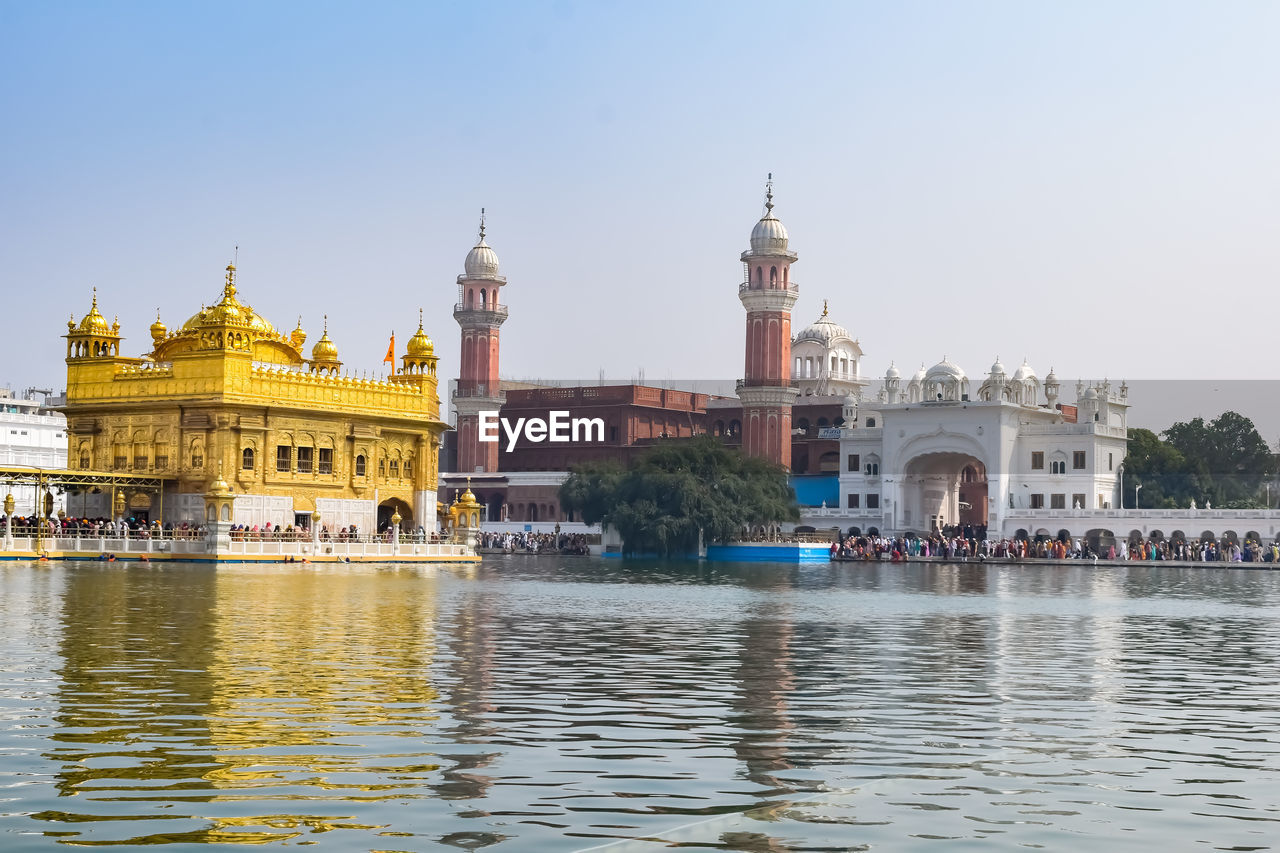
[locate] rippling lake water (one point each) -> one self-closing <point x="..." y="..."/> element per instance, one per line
<point x="568" y="704"/>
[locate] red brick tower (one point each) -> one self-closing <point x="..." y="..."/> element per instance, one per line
<point x="480" y="315"/>
<point x="768" y="293"/>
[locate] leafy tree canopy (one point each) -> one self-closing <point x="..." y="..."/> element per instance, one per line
<point x="678" y="492"/>
<point x="1222" y="462"/>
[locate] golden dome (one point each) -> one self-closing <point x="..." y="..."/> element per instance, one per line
<point x="229" y="311"/>
<point x="298" y="337"/>
<point x="325" y="349"/>
<point x="158" y="329"/>
<point x="420" y="345"/>
<point x="93" y="322"/>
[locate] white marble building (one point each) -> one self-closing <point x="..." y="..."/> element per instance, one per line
<point x="931" y="453"/>
<point x="31" y="436"/>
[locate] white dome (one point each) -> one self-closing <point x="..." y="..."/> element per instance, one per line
<point x="945" y="370"/>
<point x="1024" y="372"/>
<point x="769" y="234"/>
<point x="1090" y="393"/>
<point x="997" y="368"/>
<point x="482" y="261"/>
<point x="824" y="331"/>
<point x="919" y="375"/>
<point x="892" y="372"/>
<point x="1051" y="378"/>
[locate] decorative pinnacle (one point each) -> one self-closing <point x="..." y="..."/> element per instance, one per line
<point x="768" y="195"/>
<point x="95" y="297"/>
<point x="824" y="308"/>
<point x="230" y="289"/>
<point x="482" y="225"/>
<point x="419" y="319"/>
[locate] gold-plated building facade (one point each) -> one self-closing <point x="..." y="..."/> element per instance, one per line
<point x="293" y="435"/>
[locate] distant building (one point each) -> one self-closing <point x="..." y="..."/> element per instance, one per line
<point x="32" y="435"/>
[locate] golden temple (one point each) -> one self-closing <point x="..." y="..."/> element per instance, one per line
<point x="228" y="392"/>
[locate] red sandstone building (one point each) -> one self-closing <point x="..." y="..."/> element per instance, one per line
<point x="794" y="396"/>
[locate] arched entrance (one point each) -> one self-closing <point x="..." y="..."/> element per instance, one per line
<point x="390" y="507"/>
<point x="944" y="490"/>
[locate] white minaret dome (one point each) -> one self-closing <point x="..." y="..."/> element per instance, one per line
<point x="769" y="234"/>
<point x="997" y="369"/>
<point x="482" y="261"/>
<point x="892" y="372"/>
<point x="1025" y="371"/>
<point x="919" y="375"/>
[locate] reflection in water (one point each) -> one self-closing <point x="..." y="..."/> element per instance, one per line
<point x="542" y="704"/>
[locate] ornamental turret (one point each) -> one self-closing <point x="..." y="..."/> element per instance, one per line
<point x="420" y="354"/>
<point x="768" y="294"/>
<point x="480" y="314"/>
<point x="324" y="355"/>
<point x="93" y="337"/>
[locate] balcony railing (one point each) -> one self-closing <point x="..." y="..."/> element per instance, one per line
<point x="767" y="383"/>
<point x="791" y="287"/>
<point x="472" y="308"/>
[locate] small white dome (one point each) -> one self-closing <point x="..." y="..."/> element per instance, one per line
<point x="945" y="370"/>
<point x="919" y="375"/>
<point x="824" y="331"/>
<point x="1051" y="378"/>
<point x="1024" y="372"/>
<point x="1090" y="393"/>
<point x="892" y="372"/>
<point x="482" y="261"/>
<point x="769" y="234"/>
<point x="997" y="369"/>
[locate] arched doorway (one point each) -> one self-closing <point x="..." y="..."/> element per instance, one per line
<point x="390" y="507"/>
<point x="945" y="490"/>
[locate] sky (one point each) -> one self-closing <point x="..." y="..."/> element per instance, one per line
<point x="1093" y="186"/>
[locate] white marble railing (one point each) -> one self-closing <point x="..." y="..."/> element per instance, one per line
<point x="253" y="548"/>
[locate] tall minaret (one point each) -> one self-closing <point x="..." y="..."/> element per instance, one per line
<point x="480" y="315"/>
<point x="768" y="294"/>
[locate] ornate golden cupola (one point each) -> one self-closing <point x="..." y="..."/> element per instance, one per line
<point x="420" y="354"/>
<point x="93" y="337"/>
<point x="324" y="355"/>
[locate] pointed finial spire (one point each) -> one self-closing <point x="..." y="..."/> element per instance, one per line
<point x="326" y="324"/>
<point x="230" y="289"/>
<point x="482" y="225"/>
<point x="768" y="196"/>
<point x="824" y="308"/>
<point x="419" y="319"/>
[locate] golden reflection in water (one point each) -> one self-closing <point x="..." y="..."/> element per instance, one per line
<point x="186" y="684"/>
<point x="308" y="658"/>
<point x="766" y="678"/>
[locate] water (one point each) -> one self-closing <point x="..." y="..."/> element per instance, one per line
<point x="539" y="704"/>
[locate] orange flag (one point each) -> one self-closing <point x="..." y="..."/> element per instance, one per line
<point x="391" y="351"/>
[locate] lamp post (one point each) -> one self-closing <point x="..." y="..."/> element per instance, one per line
<point x="1136" y="490"/>
<point x="1120" y="470"/>
<point x="8" y="522"/>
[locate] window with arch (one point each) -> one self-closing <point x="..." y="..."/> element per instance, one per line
<point x="408" y="468"/>
<point x="773" y="278"/>
<point x="871" y="422"/>
<point x="1057" y="466"/>
<point x="873" y="466"/>
<point x="360" y="465"/>
<point x="382" y="467"/>
<point x="197" y="455"/>
<point x="246" y="459"/>
<point x="395" y="467"/>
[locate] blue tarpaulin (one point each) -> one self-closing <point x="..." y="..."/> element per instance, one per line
<point x="813" y="489"/>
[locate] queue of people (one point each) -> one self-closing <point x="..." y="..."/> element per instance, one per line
<point x="956" y="546"/>
<point x="526" y="542"/>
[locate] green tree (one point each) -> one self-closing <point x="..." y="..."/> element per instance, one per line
<point x="1230" y="457"/>
<point x="680" y="492"/>
<point x="1222" y="462"/>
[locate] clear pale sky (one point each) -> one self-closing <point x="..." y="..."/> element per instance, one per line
<point x="1092" y="185"/>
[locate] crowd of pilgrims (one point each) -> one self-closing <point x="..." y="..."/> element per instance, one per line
<point x="133" y="528"/>
<point x="967" y="544"/>
<point x="534" y="543"/>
